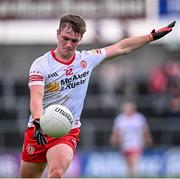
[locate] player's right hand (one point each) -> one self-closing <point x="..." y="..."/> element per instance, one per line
<point x="157" y="34"/>
<point x="38" y="133"/>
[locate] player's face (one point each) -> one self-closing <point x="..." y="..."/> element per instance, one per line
<point x="68" y="41"/>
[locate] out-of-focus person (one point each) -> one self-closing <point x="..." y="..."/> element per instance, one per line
<point x="131" y="133"/>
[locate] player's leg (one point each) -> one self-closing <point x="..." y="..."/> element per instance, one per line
<point x="33" y="156"/>
<point x="132" y="161"/>
<point x="59" y="158"/>
<point x="31" y="170"/>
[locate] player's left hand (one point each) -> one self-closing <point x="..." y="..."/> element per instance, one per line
<point x="39" y="134"/>
<point x="157" y="34"/>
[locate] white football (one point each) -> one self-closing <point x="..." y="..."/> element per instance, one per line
<point x="56" y="120"/>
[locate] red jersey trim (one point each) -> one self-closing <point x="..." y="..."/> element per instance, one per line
<point x="35" y="78"/>
<point x="61" y="61"/>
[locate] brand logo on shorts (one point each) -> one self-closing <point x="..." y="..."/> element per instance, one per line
<point x="30" y="149"/>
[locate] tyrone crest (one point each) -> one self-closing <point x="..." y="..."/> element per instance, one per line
<point x="30" y="149"/>
<point x="83" y="64"/>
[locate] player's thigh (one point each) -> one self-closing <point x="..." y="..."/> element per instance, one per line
<point x="31" y="170"/>
<point x="59" y="158"/>
<point x="133" y="158"/>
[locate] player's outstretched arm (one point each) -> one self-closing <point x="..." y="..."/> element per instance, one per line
<point x="127" y="45"/>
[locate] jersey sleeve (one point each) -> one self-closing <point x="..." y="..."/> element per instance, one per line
<point x="96" y="56"/>
<point x="36" y="75"/>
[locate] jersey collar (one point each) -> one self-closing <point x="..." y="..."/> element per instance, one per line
<point x="60" y="60"/>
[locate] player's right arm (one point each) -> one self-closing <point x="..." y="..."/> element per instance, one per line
<point x="36" y="108"/>
<point x="36" y="86"/>
<point x="36" y="100"/>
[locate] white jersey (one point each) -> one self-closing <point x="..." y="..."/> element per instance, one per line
<point x="65" y="83"/>
<point x="131" y="130"/>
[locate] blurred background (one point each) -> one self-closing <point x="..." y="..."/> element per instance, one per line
<point x="150" y="76"/>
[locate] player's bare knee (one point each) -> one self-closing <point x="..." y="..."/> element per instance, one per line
<point x="56" y="173"/>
